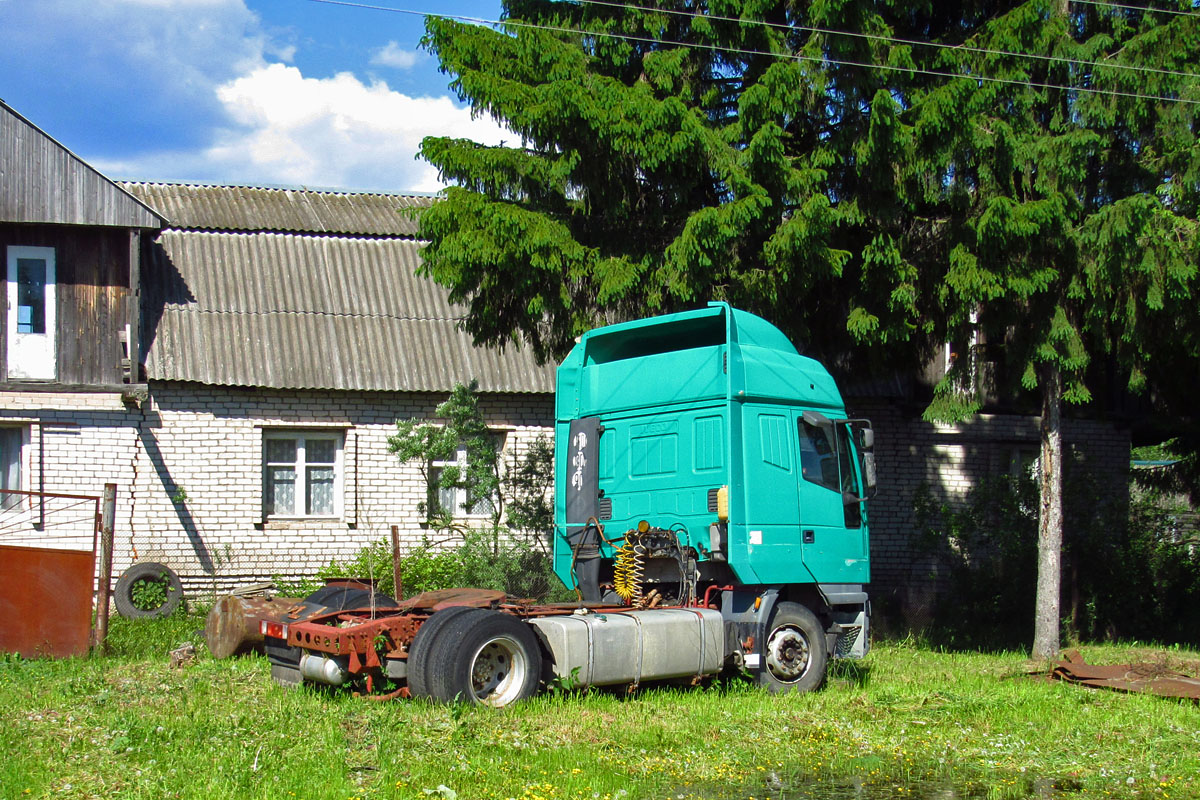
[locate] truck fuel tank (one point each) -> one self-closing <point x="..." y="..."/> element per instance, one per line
<point x="614" y="647"/>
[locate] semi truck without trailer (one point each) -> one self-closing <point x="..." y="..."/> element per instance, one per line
<point x="711" y="514"/>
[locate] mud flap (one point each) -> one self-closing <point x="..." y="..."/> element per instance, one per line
<point x="582" y="504"/>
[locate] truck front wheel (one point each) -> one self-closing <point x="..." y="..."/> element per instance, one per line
<point x="490" y="658"/>
<point x="794" y="654"/>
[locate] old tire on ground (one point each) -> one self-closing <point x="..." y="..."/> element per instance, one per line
<point x="491" y="658"/>
<point x="794" y="653"/>
<point x="423" y="646"/>
<point x="147" y="579"/>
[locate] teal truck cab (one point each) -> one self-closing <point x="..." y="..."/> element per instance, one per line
<point x="702" y="462"/>
<point x="710" y="512"/>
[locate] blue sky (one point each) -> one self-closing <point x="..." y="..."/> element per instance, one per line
<point x="259" y="92"/>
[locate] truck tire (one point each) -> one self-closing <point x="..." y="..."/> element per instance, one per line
<point x="794" y="653"/>
<point x="423" y="647"/>
<point x="147" y="590"/>
<point x="490" y="658"/>
<point x="341" y="598"/>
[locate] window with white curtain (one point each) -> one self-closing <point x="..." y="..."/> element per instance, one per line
<point x="302" y="473"/>
<point x="11" y="440"/>
<point x="455" y="500"/>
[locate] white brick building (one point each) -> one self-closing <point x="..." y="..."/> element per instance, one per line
<point x="199" y="502"/>
<point x="285" y="333"/>
<point x="232" y="358"/>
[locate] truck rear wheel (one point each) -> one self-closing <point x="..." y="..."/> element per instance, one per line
<point x="490" y="658"/>
<point x="423" y="647"/>
<point x="794" y="654"/>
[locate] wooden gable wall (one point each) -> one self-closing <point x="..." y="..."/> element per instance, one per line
<point x="92" y="302"/>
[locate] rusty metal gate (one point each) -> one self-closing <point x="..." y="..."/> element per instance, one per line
<point x="48" y="558"/>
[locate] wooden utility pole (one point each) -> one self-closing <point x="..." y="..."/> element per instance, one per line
<point x="108" y="517"/>
<point x="397" y="589"/>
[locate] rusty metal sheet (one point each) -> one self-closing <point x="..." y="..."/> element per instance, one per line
<point x="45" y="601"/>
<point x="360" y="635"/>
<point x="1142" y="677"/>
<point x="445" y="598"/>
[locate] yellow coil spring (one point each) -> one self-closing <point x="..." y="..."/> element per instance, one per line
<point x="628" y="571"/>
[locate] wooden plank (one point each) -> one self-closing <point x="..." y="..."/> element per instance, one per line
<point x="46" y="183"/>
<point x="92" y="295"/>
<point x="133" y="304"/>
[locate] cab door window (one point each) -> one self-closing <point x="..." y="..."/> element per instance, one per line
<point x="829" y="465"/>
<point x="849" y="485"/>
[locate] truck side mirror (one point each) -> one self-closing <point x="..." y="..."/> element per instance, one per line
<point x="870" y="480"/>
<point x="866" y="439"/>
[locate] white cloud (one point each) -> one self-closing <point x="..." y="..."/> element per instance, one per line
<point x="333" y="132"/>
<point x="114" y="75"/>
<point x="393" y="55"/>
<point x="201" y="90"/>
<point x="283" y="52"/>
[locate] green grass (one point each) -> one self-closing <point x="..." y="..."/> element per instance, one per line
<point x="906" y="722"/>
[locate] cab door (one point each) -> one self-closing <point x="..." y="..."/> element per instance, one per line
<point x="832" y="530"/>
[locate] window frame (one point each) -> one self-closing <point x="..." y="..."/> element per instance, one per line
<point x="302" y="496"/>
<point x="841" y="456"/>
<point x="812" y="456"/>
<point x="434" y="504"/>
<point x="10" y="502"/>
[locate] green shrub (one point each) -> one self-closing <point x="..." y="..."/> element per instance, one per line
<point x="514" y="568"/>
<point x="1128" y="573"/>
<point x="986" y="555"/>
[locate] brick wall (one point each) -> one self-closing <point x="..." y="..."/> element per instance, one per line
<point x="206" y="443"/>
<point x="74" y="443"/>
<point x="202" y="446"/>
<point x="949" y="459"/>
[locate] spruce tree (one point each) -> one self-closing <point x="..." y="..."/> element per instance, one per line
<point x="664" y="158"/>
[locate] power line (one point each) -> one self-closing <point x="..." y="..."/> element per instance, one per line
<point x="882" y="38"/>
<point x="742" y="51"/>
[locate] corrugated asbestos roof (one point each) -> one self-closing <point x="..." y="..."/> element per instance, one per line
<point x="311" y="310"/>
<point x="43" y="182"/>
<point x="247" y="208"/>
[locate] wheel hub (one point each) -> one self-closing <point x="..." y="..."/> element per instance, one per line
<point x="498" y="672"/>
<point x="787" y="653"/>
